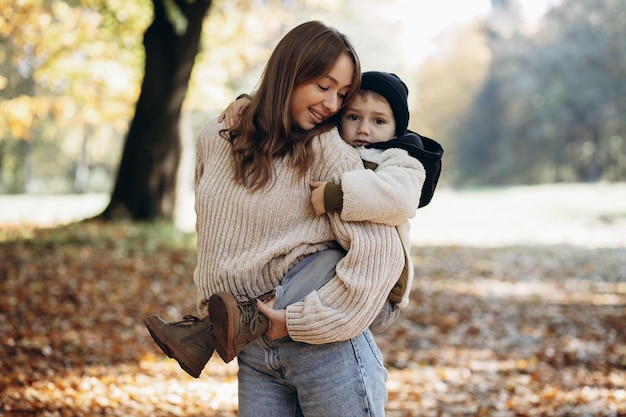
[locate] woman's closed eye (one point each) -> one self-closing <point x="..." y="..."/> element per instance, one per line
<point x="342" y="96"/>
<point x="321" y="87"/>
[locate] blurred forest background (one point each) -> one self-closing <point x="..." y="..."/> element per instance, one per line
<point x="512" y="100"/>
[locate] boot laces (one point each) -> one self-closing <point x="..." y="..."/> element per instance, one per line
<point x="250" y="315"/>
<point x="188" y="321"/>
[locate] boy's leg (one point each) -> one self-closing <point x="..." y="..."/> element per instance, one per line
<point x="315" y="271"/>
<point x="183" y="341"/>
<point x="307" y="276"/>
<point x="238" y="323"/>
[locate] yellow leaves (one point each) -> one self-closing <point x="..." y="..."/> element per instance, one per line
<point x="44" y="20"/>
<point x="18" y="120"/>
<point x="70" y="58"/>
<point x="18" y="114"/>
<point x="63" y="108"/>
<point x="62" y="10"/>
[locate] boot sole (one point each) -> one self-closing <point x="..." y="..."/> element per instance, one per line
<point x="171" y="348"/>
<point x="224" y="324"/>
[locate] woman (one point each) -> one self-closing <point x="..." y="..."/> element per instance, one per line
<point x="255" y="222"/>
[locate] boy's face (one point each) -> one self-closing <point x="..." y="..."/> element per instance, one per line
<point x="367" y="119"/>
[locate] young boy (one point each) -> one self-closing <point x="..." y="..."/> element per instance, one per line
<point x="376" y="121"/>
<point x="404" y="171"/>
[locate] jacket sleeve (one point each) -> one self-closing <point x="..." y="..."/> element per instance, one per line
<point x="388" y="195"/>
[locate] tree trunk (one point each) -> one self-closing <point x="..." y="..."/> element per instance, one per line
<point x="145" y="188"/>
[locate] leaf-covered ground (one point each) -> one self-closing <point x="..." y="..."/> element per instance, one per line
<point x="506" y="331"/>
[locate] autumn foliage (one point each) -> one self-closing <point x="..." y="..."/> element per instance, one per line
<point x="510" y="331"/>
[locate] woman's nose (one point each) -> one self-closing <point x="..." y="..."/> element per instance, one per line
<point x="332" y="103"/>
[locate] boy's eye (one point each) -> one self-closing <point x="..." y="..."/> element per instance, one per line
<point x="352" y="116"/>
<point x="380" y="121"/>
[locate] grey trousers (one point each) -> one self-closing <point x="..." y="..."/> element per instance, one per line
<point x="311" y="274"/>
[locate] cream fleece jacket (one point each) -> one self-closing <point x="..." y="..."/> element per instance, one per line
<point x="388" y="195"/>
<point x="247" y="241"/>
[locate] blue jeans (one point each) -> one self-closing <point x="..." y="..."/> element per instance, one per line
<point x="283" y="378"/>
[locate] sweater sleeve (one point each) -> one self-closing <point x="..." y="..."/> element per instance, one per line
<point x="349" y="302"/>
<point x="388" y="195"/>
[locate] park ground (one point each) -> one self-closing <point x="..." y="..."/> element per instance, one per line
<point x="518" y="309"/>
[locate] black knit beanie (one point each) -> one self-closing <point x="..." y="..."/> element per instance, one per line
<point x="394" y="90"/>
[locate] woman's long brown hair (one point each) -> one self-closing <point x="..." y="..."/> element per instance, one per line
<point x="265" y="130"/>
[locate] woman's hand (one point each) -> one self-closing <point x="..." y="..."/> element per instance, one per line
<point x="277" y="318"/>
<point x="317" y="196"/>
<point x="232" y="113"/>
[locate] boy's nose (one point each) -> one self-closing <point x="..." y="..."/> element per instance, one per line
<point x="363" y="128"/>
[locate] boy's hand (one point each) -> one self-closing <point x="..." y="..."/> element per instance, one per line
<point x="231" y="114"/>
<point x="317" y="196"/>
<point x="277" y="318"/>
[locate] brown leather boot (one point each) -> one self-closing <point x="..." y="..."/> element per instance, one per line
<point x="189" y="341"/>
<point x="235" y="324"/>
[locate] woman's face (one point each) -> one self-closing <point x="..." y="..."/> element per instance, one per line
<point x="317" y="100"/>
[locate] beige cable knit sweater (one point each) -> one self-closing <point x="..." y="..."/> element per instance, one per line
<point x="248" y="241"/>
